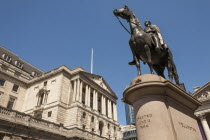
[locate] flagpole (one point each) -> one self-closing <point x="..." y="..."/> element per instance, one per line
<point x="91" y="69"/>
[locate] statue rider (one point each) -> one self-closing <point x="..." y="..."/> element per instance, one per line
<point x="154" y="31"/>
<point x="157" y="38"/>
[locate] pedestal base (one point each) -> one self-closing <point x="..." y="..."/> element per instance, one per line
<point x="163" y="110"/>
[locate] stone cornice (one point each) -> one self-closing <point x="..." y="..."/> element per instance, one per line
<point x="15" y="77"/>
<point x="162" y="87"/>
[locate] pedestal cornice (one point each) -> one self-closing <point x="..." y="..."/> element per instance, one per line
<point x="153" y="85"/>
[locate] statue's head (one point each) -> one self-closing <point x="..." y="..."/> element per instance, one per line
<point x="124" y="12"/>
<point x="147" y="23"/>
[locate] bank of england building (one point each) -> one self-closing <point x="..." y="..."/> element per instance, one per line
<point x="61" y="104"/>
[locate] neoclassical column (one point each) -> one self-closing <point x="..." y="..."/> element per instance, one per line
<point x="86" y="95"/>
<point x="96" y="100"/>
<point x="105" y="105"/>
<point x="78" y="90"/>
<point x="109" y="108"/>
<point x="205" y="125"/>
<point x="102" y="104"/>
<point x="88" y="99"/>
<point x="115" y="111"/>
<point x="74" y="91"/>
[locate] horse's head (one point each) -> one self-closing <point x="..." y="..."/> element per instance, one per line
<point x="124" y="13"/>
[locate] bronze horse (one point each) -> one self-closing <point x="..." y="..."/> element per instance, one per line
<point x="143" y="48"/>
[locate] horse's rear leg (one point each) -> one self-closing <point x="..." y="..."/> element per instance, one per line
<point x="151" y="69"/>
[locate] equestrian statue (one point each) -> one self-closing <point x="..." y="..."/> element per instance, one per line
<point x="148" y="46"/>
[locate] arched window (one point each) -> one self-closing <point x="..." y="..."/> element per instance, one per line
<point x="101" y="125"/>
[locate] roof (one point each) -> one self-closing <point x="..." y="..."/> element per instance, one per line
<point x="26" y="66"/>
<point x="100" y="81"/>
<point x="201" y="89"/>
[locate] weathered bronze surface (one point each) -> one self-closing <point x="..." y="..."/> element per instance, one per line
<point x="148" y="46"/>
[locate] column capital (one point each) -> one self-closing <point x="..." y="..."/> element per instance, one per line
<point x="201" y="116"/>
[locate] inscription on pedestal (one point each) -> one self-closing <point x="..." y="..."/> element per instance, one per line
<point x="144" y="120"/>
<point x="187" y="127"/>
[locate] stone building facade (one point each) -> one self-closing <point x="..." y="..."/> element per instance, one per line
<point x="60" y="104"/>
<point x="203" y="112"/>
<point x="129" y="132"/>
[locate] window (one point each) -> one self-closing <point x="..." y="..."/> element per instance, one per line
<point x="7" y="58"/>
<point x="91" y="99"/>
<point x="34" y="74"/>
<point x="19" y="64"/>
<point x="49" y="114"/>
<point x="92" y="119"/>
<point x="38" y="114"/>
<point x="101" y="125"/>
<point x="83" y="115"/>
<point x="2" y="82"/>
<point x="15" y="88"/>
<point x="112" y="109"/>
<point x="92" y="130"/>
<point x="108" y="126"/>
<point x="99" y="103"/>
<point x="83" y="127"/>
<point x="11" y="102"/>
<point x="83" y="95"/>
<point x="42" y="97"/>
<point x="45" y="83"/>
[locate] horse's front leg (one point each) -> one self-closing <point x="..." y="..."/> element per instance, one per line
<point x="137" y="65"/>
<point x="148" y="53"/>
<point x="132" y="44"/>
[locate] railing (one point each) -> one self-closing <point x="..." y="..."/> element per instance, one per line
<point x="16" y="116"/>
<point x="27" y="120"/>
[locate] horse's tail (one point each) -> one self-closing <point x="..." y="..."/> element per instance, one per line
<point x="174" y="70"/>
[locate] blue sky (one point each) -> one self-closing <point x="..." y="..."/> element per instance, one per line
<point x="51" y="33"/>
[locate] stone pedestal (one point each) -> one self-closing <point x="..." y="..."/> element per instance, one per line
<point x="163" y="110"/>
